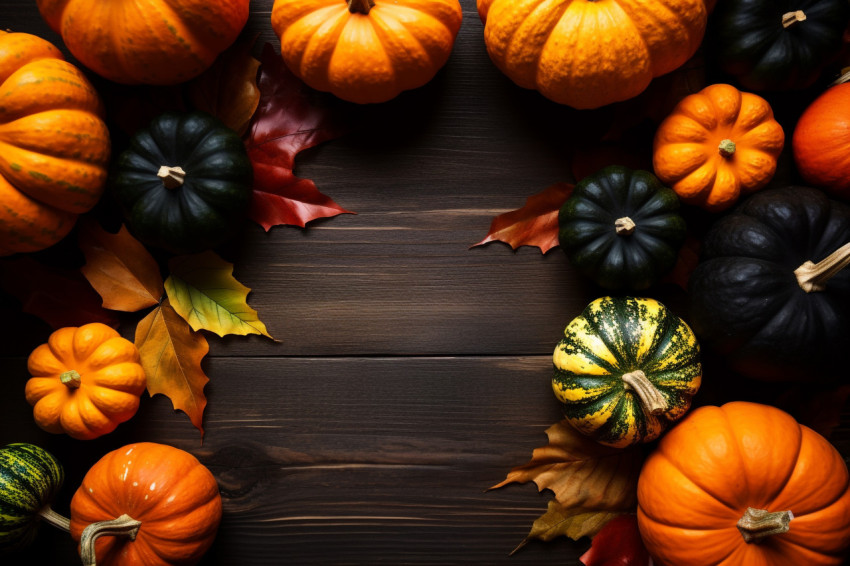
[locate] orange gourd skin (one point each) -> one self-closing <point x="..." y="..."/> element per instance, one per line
<point x="366" y="57"/>
<point x="717" y="462"/>
<point x="821" y="142"/>
<point x="587" y="54"/>
<point x="174" y="496"/>
<point x="54" y="144"/>
<point x="159" y="42"/>
<point x="686" y="150"/>
<point x="104" y="393"/>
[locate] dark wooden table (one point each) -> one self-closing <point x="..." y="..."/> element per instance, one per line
<point x="411" y="372"/>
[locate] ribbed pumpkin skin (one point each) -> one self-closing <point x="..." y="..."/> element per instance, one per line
<point x="174" y="496"/>
<point x="366" y="58"/>
<point x="614" y="336"/>
<point x="111" y="380"/>
<point x="821" y="142"/>
<point x="717" y="462"/>
<point x="750" y="42"/>
<point x="210" y="205"/>
<point x="54" y="145"/>
<point x="30" y="479"/>
<point x="687" y="154"/>
<point x="589" y="54"/>
<point x="146" y="41"/>
<point x="588" y="235"/>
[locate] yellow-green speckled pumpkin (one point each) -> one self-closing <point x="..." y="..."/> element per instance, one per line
<point x="626" y="368"/>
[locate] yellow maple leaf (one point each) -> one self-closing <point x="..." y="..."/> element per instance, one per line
<point x="171" y="354"/>
<point x="202" y="290"/>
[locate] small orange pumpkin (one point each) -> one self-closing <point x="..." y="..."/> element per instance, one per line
<point x="54" y="144"/>
<point x="86" y="381"/>
<point x="146" y="504"/>
<point x="366" y="51"/>
<point x="716" y="145"/>
<point x="744" y="484"/>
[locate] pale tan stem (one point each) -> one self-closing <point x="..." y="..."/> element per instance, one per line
<point x="123" y="526"/>
<point x="71" y="379"/>
<point x="814" y="276"/>
<point x="651" y="399"/>
<point x="361" y="6"/>
<point x="624" y="226"/>
<point x="53" y="518"/>
<point x="758" y="524"/>
<point x="791" y="18"/>
<point x="172" y="177"/>
<point x="726" y="148"/>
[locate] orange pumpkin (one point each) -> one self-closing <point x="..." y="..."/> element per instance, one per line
<point x="86" y="381"/>
<point x="588" y="54"/>
<point x="744" y="485"/>
<point x="146" y="42"/>
<point x="146" y="504"/>
<point x="716" y="145"/>
<point x="54" y="145"/>
<point x="366" y="50"/>
<point x="821" y="141"/>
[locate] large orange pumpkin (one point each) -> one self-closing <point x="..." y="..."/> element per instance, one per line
<point x="744" y="485"/>
<point x="146" y="41"/>
<point x="366" y="51"/>
<point x="54" y="145"/>
<point x="587" y="54"/>
<point x="146" y="504"/>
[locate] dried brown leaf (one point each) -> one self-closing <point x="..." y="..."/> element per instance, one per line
<point x="560" y="521"/>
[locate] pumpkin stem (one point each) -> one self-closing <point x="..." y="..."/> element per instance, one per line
<point x="726" y="148"/>
<point x="172" y="177"/>
<point x="624" y="226"/>
<point x="53" y="518"/>
<point x="71" y="379"/>
<point x="361" y="6"/>
<point x="123" y="526"/>
<point x="790" y="18"/>
<point x="651" y="399"/>
<point x="813" y="276"/>
<point x="758" y="524"/>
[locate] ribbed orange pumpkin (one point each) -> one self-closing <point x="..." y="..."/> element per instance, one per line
<point x="86" y="381"/>
<point x="716" y="145"/>
<point x="586" y="53"/>
<point x="146" y="504"/>
<point x="146" y="41"/>
<point x="744" y="485"/>
<point x="366" y="51"/>
<point x="54" y="145"/>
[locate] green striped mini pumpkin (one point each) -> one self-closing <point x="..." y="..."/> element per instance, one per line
<point x="625" y="370"/>
<point x="30" y="478"/>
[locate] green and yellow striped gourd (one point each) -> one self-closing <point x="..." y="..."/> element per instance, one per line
<point x="626" y="368"/>
<point x="30" y="478"/>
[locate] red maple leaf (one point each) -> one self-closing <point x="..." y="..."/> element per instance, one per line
<point x="617" y="544"/>
<point x="290" y="118"/>
<point x="535" y="224"/>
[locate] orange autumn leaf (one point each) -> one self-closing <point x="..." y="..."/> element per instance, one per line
<point x="120" y="269"/>
<point x="171" y="355"/>
<point x="535" y="224"/>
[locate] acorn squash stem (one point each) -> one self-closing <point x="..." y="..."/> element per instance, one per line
<point x="172" y="177"/>
<point x="814" y="276"/>
<point x="123" y="526"/>
<point x="651" y="399"/>
<point x="791" y="18"/>
<point x="54" y="519"/>
<point x="360" y="6"/>
<point x="624" y="226"/>
<point x="758" y="524"/>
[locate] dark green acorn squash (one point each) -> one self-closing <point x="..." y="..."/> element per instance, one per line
<point x="757" y="298"/>
<point x="621" y="228"/>
<point x="770" y="45"/>
<point x="184" y="183"/>
<point x="625" y="370"/>
<point x="30" y="479"/>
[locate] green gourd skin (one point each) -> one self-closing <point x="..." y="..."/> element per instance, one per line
<point x="30" y="479"/>
<point x="210" y="204"/>
<point x="620" y="257"/>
